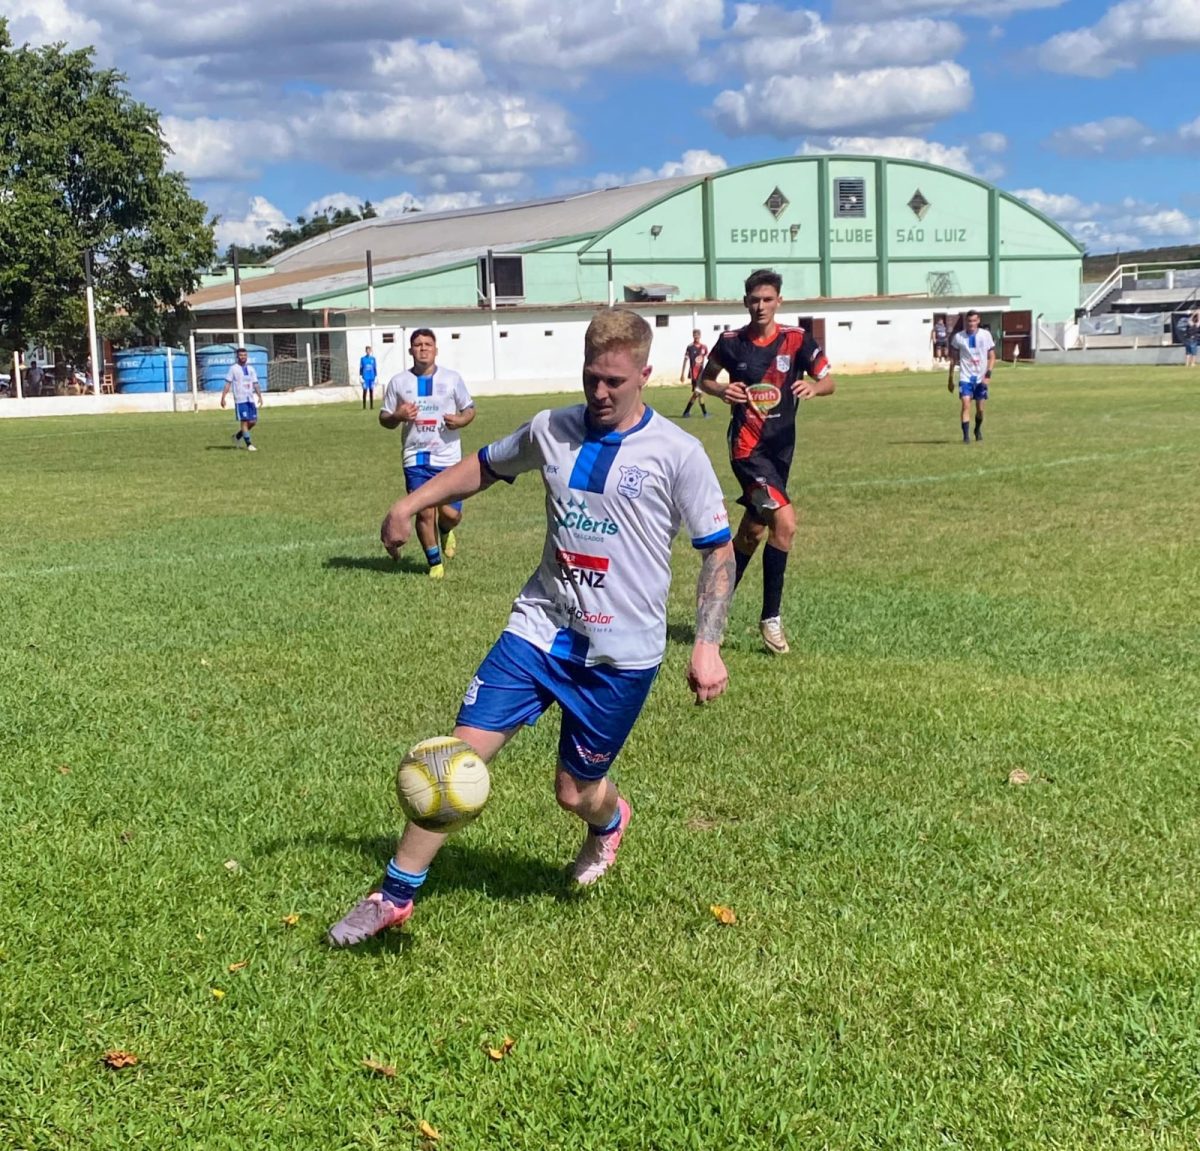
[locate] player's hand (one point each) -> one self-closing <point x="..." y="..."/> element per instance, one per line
<point x="949" y="385"/>
<point x="706" y="674"/>
<point x="222" y="401"/>
<point x="395" y="529"/>
<point x="259" y="402"/>
<point x="804" y="390"/>
<point x="407" y="411"/>
<point x="735" y="394"/>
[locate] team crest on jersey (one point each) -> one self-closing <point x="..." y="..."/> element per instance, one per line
<point x="632" y="478"/>
<point x="783" y="363"/>
<point x="763" y="397"/>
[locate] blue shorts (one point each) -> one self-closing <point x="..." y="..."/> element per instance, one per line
<point x="247" y="413"/>
<point x="517" y="682"/>
<point x="420" y="474"/>
<point x="1191" y="348"/>
<point x="368" y="385"/>
<point x="969" y="391"/>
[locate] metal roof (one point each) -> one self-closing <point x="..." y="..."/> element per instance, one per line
<point x="421" y="241"/>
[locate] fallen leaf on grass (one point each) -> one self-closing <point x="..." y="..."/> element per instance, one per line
<point x="232" y="866"/>
<point x="118" y="1059"/>
<point x="238" y="966"/>
<point x="63" y="769"/>
<point x="377" y="1068"/>
<point x="290" y="920"/>
<point x="204" y="663"/>
<point x="217" y="994"/>
<point x="495" y="1054"/>
<point x="429" y="1131"/>
<point x="723" y="915"/>
<point x="1017" y="776"/>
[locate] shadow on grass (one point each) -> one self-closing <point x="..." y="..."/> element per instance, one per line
<point x="406" y="563"/>
<point x="932" y="443"/>
<point x="681" y="633"/>
<point x="222" y="447"/>
<point x="460" y="866"/>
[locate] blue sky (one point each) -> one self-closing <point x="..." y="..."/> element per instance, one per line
<point x="1086" y="108"/>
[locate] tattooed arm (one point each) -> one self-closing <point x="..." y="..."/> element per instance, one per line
<point x="706" y="674"/>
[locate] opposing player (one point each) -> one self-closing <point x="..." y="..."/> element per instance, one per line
<point x="588" y="629"/>
<point x="433" y="405"/>
<point x="766" y="364"/>
<point x="692" y="369"/>
<point x="242" y="380"/>
<point x="973" y="352"/>
<point x="368" y="370"/>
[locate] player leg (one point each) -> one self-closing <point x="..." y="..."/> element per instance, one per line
<point x="248" y="426"/>
<point x="600" y="705"/>
<point x="691" y="400"/>
<point x="781" y="522"/>
<point x="427" y="533"/>
<point x="371" y="397"/>
<point x="449" y="516"/>
<point x="698" y="397"/>
<point x="980" y="400"/>
<point x="964" y="395"/>
<point x="750" y="533"/>
<point x="503" y="696"/>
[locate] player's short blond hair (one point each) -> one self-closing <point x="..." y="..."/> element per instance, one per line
<point x="613" y="328"/>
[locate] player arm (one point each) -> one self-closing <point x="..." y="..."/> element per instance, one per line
<point x="728" y="391"/>
<point x="225" y="389"/>
<point x="991" y="362"/>
<point x="455" y="420"/>
<point x="706" y="674"/>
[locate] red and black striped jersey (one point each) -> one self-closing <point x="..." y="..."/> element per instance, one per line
<point x="768" y="368"/>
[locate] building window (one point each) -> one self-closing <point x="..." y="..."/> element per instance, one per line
<point x="662" y="321"/>
<point x="389" y="337"/>
<point x="850" y="198"/>
<point x="509" y="275"/>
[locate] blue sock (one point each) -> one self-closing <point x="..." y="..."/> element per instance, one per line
<point x="742" y="560"/>
<point x="966" y="426"/>
<point x="400" y="886"/>
<point x="609" y="827"/>
<point x="434" y="556"/>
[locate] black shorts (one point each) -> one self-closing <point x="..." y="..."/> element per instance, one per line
<point x="763" y="481"/>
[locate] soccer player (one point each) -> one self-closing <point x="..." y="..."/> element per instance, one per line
<point x="694" y="356"/>
<point x="973" y="352"/>
<point x="367" y="371"/>
<point x="242" y="379"/>
<point x="588" y="629"/>
<point x="766" y="364"/>
<point x="940" y="339"/>
<point x="432" y="404"/>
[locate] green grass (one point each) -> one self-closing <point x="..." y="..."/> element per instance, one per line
<point x="203" y="658"/>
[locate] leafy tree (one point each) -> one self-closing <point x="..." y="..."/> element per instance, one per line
<point x="83" y="167"/>
<point x="305" y="228"/>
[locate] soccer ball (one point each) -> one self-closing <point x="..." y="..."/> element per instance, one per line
<point x="442" y="784"/>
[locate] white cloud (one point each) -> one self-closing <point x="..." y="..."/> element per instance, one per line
<point x="50" y="21"/>
<point x="1124" y="136"/>
<point x="1126" y="34"/>
<point x="956" y="156"/>
<point x="252" y="228"/>
<point x="429" y="67"/>
<point x="1104" y="227"/>
<point x="208" y="149"/>
<point x="995" y="142"/>
<point x="695" y="162"/>
<point x="879" y="98"/>
<point x="869" y="9"/>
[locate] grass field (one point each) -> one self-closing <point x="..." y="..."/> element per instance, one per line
<point x="209" y="673"/>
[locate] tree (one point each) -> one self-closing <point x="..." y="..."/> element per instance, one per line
<point x="305" y="228"/>
<point x="83" y="167"/>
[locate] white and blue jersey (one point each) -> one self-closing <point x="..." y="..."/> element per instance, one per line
<point x="614" y="503"/>
<point x="243" y="382"/>
<point x="970" y="351"/>
<point x="427" y="440"/>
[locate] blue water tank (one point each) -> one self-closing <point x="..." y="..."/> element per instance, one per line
<point x="145" y="370"/>
<point x="214" y="360"/>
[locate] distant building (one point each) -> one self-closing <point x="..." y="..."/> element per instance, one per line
<point x="870" y="250"/>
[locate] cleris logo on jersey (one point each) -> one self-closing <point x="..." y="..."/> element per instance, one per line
<point x="573" y="514"/>
<point x="581" y="570"/>
<point x="763" y="397"/>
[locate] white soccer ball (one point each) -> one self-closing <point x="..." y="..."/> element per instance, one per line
<point x="442" y="784"/>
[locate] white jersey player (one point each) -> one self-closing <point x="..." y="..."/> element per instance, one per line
<point x="431" y="404"/>
<point x="973" y="352"/>
<point x="588" y="630"/>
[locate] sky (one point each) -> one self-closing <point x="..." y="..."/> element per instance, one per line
<point x="1086" y="109"/>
